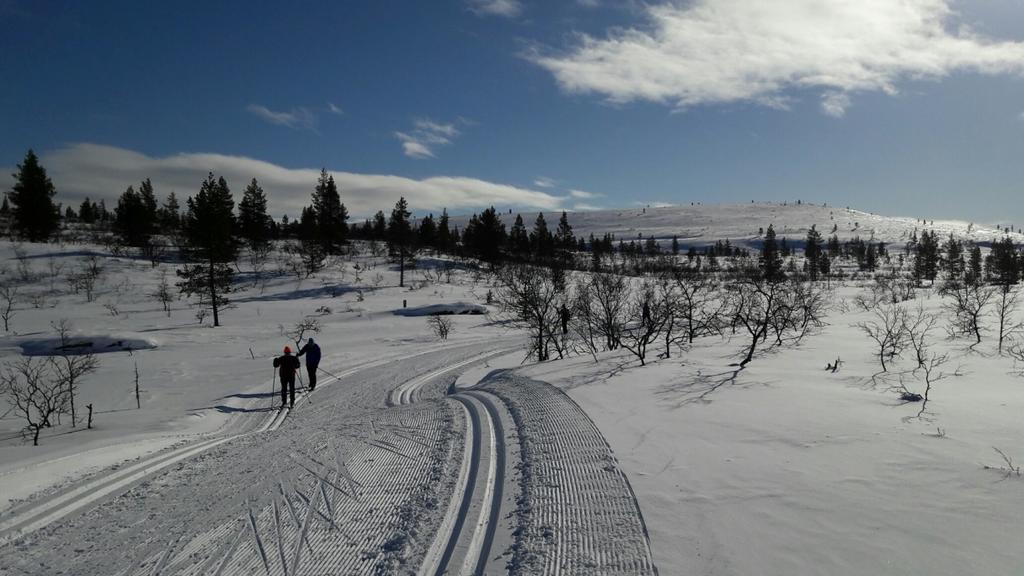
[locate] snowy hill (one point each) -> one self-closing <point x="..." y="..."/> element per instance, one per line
<point x="702" y="224"/>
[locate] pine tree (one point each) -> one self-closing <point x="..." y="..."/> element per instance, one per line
<point x="444" y="233"/>
<point x="953" y="263"/>
<point x="170" y="214"/>
<point x="400" y="235"/>
<point x="1003" y="263"/>
<point x="541" y="242"/>
<point x="812" y="252"/>
<point x="5" y="207"/>
<point x="253" y="221"/>
<point x="35" y="216"/>
<point x="331" y="215"/>
<point x="87" y="211"/>
<point x="428" y="232"/>
<point x="771" y="260"/>
<point x="973" y="273"/>
<point x="131" y="219"/>
<point x="148" y="199"/>
<point x="484" y="236"/>
<point x="209" y="228"/>
<point x="675" y="245"/>
<point x="926" y="257"/>
<point x="518" y="239"/>
<point x="564" y="239"/>
<point x="380" y="226"/>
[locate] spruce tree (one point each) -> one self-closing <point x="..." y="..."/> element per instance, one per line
<point x="973" y="272"/>
<point x="87" y="211"/>
<point x="380" y="226"/>
<point x="812" y="252"/>
<point x="771" y="260"/>
<point x="211" y="247"/>
<point x="444" y="233"/>
<point x="170" y="214"/>
<point x="518" y="239"/>
<point x="428" y="232"/>
<point x="132" y="221"/>
<point x="541" y="242"/>
<point x="35" y="216"/>
<point x="564" y="239"/>
<point x="484" y="236"/>
<point x="331" y="215"/>
<point x="148" y="199"/>
<point x="400" y="235"/>
<point x="253" y="221"/>
<point x="953" y="263"/>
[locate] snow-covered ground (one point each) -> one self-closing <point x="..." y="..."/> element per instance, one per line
<point x="703" y="224"/>
<point x="421" y="455"/>
<point x="787" y="468"/>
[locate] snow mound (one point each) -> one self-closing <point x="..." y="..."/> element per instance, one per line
<point x="443" y="309"/>
<point x="85" y="344"/>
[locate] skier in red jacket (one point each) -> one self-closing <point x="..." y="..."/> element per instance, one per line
<point x="286" y="366"/>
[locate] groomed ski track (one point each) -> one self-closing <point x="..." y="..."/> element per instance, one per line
<point x="430" y="483"/>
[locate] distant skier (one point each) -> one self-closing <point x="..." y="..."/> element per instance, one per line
<point x="286" y="366"/>
<point x="312" y="352"/>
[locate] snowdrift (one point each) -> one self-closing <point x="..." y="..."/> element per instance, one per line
<point x="443" y="309"/>
<point x="85" y="344"/>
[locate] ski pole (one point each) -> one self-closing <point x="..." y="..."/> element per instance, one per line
<point x="273" y="387"/>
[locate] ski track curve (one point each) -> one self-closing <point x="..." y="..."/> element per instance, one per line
<point x="384" y="474"/>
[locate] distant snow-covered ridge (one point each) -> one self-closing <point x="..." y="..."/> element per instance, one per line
<point x="703" y="224"/>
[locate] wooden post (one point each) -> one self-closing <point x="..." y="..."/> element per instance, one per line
<point x="138" y="402"/>
<point x="90" y="416"/>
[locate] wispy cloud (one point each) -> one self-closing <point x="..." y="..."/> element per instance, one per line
<point x="425" y="137"/>
<point x="334" y="109"/>
<point x="298" y="118"/>
<point x="503" y="8"/>
<point x="545" y="182"/>
<point x="584" y="195"/>
<point x="99" y="171"/>
<point x="723" y="51"/>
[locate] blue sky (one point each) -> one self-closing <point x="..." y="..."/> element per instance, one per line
<point x="912" y="108"/>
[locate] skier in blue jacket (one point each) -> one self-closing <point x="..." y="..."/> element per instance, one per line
<point x="312" y="352"/>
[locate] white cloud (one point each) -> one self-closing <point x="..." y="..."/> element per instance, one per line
<point x="835" y="104"/>
<point x="544" y="182"/>
<point x="584" y="195"/>
<point x="503" y="8"/>
<point x="583" y="206"/>
<point x="99" y="171"/>
<point x="721" y="51"/>
<point x="425" y="136"/>
<point x="296" y="118"/>
<point x="334" y="109"/>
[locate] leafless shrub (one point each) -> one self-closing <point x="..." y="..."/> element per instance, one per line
<point x="308" y="325"/>
<point x="785" y="310"/>
<point x="646" y="313"/>
<point x="1006" y="305"/>
<point x="699" y="304"/>
<point x="69" y="366"/>
<point x="1008" y="468"/>
<point x="968" y="306"/>
<point x="163" y="293"/>
<point x="112" y="308"/>
<point x="24" y="268"/>
<point x="528" y="295"/>
<point x="8" y="300"/>
<point x="917" y="327"/>
<point x="888" y="331"/>
<point x="441" y="325"/>
<point x="33" y="392"/>
<point x="85" y="279"/>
